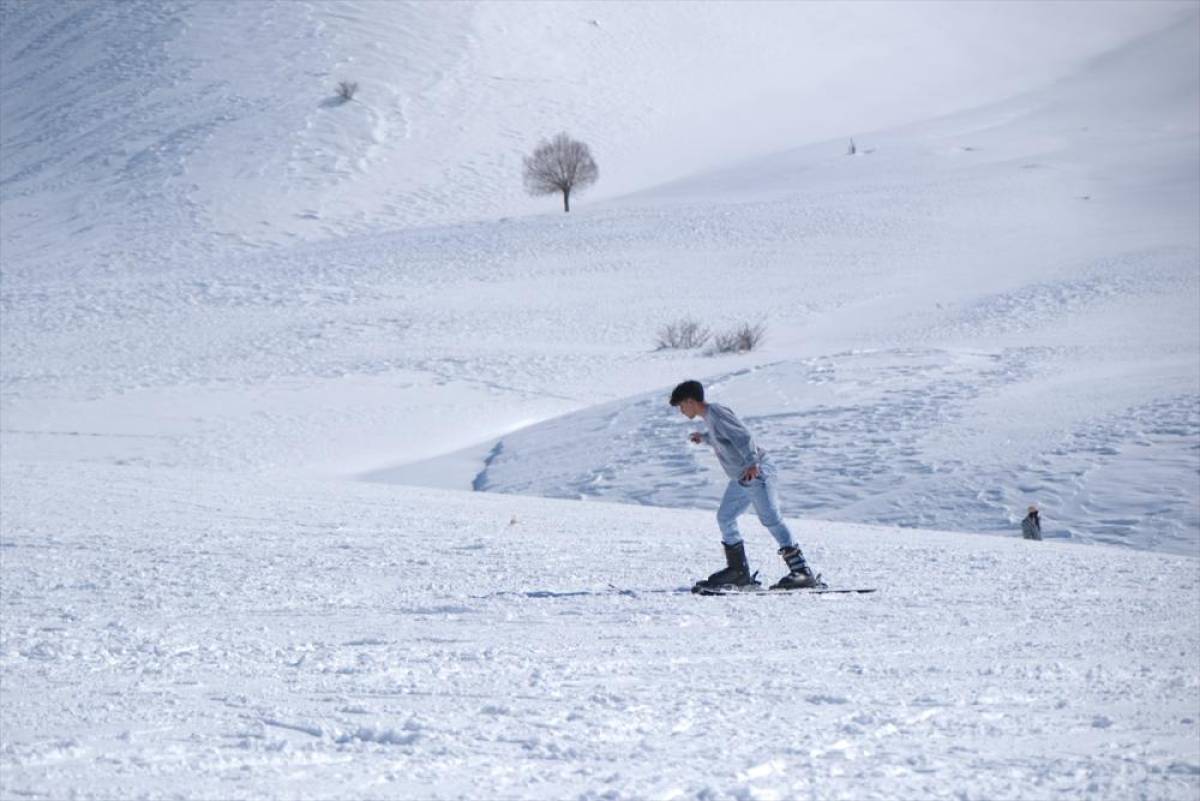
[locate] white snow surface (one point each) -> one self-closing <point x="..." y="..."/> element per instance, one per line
<point x="226" y="300"/>
<point x="185" y="633"/>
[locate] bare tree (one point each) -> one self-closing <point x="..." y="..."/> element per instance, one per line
<point x="560" y="165"/>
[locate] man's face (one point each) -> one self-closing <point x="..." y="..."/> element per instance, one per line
<point x="689" y="408"/>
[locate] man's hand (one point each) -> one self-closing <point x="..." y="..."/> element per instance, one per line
<point x="751" y="473"/>
<point x="696" y="437"/>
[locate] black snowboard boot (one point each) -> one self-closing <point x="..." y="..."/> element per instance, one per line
<point x="736" y="572"/>
<point x="801" y="576"/>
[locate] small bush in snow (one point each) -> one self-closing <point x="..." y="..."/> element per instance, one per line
<point x="682" y="335"/>
<point x="740" y="339"/>
<point x="346" y="90"/>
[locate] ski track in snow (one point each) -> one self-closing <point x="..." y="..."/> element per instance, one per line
<point x="296" y="639"/>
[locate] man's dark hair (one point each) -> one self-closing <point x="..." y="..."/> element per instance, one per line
<point x="688" y="390"/>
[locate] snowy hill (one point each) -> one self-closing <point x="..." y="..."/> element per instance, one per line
<point x="989" y="310"/>
<point x="226" y="300"/>
<point x="150" y="131"/>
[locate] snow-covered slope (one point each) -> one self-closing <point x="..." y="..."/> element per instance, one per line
<point x="199" y="634"/>
<point x="199" y="597"/>
<point x="992" y="309"/>
<point x="995" y="308"/>
<point x="154" y="131"/>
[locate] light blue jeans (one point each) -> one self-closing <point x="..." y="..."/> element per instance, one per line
<point x="761" y="493"/>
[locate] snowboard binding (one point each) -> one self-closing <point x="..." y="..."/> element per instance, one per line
<point x="708" y="587"/>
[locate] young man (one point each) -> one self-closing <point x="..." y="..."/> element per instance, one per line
<point x="751" y="482"/>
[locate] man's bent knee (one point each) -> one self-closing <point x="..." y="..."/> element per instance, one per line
<point x="770" y="521"/>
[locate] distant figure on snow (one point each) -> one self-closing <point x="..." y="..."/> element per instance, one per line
<point x="1031" y="526"/>
<point x="751" y="482"/>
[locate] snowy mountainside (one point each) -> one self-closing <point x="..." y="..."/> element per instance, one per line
<point x="993" y="309"/>
<point x="152" y="132"/>
<point x="199" y="597"/>
<point x="1131" y="109"/>
<point x="1037" y="291"/>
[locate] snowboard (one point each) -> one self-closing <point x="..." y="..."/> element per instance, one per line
<point x="757" y="589"/>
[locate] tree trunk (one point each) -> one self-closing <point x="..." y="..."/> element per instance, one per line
<point x="566" y="200"/>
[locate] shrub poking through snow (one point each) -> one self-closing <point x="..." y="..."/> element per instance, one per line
<point x="740" y="339"/>
<point x="683" y="334"/>
<point x="561" y="165"/>
<point x="346" y="90"/>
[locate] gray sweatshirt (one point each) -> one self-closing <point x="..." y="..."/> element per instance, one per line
<point x="733" y="444"/>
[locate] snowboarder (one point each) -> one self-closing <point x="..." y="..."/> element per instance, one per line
<point x="751" y="482"/>
<point x="1031" y="526"/>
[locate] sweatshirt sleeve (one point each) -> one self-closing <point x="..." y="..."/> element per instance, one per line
<point x="726" y="428"/>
